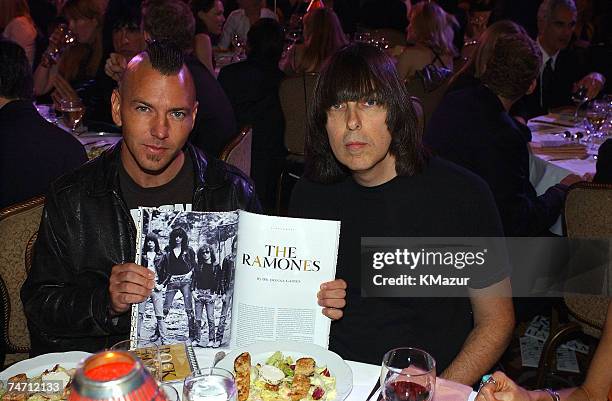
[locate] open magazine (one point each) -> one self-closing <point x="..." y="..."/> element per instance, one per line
<point x="233" y="278"/>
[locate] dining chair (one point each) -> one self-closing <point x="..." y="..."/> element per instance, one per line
<point x="295" y="95"/>
<point x="18" y="228"/>
<point x="238" y="151"/>
<point x="588" y="214"/>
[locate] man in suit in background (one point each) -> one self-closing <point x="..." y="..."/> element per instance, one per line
<point x="33" y="152"/>
<point x="561" y="73"/>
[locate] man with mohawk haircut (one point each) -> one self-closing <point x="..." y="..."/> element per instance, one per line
<point x="82" y="284"/>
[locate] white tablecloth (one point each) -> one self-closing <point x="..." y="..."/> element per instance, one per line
<point x="97" y="140"/>
<point x="544" y="172"/>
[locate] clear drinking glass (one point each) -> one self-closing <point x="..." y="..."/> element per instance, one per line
<point x="595" y="119"/>
<point x="238" y="45"/>
<point x="210" y="384"/>
<point x="72" y="112"/>
<point x="61" y="39"/>
<point x="408" y="374"/>
<point x="579" y="98"/>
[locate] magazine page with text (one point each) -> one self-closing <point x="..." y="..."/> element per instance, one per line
<point x="279" y="267"/>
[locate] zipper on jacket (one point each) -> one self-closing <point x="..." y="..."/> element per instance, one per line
<point x="131" y="227"/>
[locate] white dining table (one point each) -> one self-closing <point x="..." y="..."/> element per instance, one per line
<point x="546" y="170"/>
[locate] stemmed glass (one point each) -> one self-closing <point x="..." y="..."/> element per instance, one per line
<point x="238" y="45"/>
<point x="579" y="98"/>
<point x="61" y="39"/>
<point x="73" y="112"/>
<point x="596" y="116"/>
<point x="408" y="374"/>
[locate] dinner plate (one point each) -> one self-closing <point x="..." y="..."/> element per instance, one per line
<point x="35" y="366"/>
<point x="263" y="350"/>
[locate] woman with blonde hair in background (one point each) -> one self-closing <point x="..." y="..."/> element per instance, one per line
<point x="323" y="35"/>
<point x="78" y="63"/>
<point x="17" y="25"/>
<point x="431" y="32"/>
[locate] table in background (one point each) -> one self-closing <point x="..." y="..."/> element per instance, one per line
<point x="546" y="170"/>
<point x="93" y="142"/>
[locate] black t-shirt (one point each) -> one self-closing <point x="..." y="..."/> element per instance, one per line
<point x="178" y="192"/>
<point x="177" y="264"/>
<point x="443" y="200"/>
<point x="203" y="276"/>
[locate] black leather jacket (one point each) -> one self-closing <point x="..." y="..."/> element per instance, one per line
<point x="86" y="229"/>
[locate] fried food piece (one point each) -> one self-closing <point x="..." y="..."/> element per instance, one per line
<point x="242" y="367"/>
<point x="299" y="387"/>
<point x="271" y="387"/>
<point x="16" y="395"/>
<point x="304" y="366"/>
<point x="18" y="378"/>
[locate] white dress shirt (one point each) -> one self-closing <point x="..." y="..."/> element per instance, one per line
<point x="238" y="23"/>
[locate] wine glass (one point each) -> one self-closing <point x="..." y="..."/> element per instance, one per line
<point x="61" y="39"/>
<point x="72" y="111"/>
<point x="210" y="384"/>
<point x="238" y="45"/>
<point x="579" y="98"/>
<point x="596" y="116"/>
<point x="408" y="374"/>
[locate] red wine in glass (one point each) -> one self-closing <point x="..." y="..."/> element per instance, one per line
<point x="405" y="391"/>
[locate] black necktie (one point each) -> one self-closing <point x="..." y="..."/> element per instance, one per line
<point x="546" y="84"/>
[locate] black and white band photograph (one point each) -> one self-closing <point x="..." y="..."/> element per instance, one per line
<point x="192" y="255"/>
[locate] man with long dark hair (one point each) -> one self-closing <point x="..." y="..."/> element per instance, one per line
<point x="365" y="166"/>
<point x="151" y="257"/>
<point x="203" y="289"/>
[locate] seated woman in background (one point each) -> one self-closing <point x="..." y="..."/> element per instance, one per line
<point x="79" y="64"/>
<point x="323" y="35"/>
<point x="431" y="31"/>
<point x="209" y="25"/>
<point x="17" y="25"/>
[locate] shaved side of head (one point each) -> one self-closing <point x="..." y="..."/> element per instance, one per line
<point x="163" y="58"/>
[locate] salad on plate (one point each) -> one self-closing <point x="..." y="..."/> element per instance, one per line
<point x="280" y="378"/>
